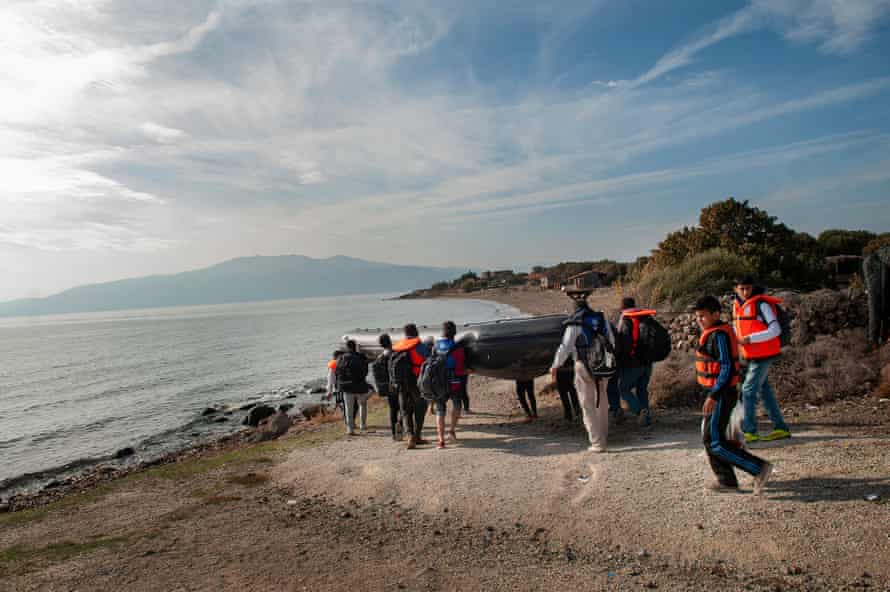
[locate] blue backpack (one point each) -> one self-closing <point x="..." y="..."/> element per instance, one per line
<point x="593" y="345"/>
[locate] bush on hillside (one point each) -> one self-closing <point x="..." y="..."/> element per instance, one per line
<point x="711" y="272"/>
<point x="882" y="240"/>
<point x="844" y="242"/>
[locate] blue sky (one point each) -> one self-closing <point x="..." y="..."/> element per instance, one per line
<point x="143" y="138"/>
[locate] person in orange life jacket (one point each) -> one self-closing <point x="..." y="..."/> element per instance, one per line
<point x="333" y="391"/>
<point x="633" y="373"/>
<point x="413" y="405"/>
<point x="759" y="334"/>
<point x="456" y="370"/>
<point x="717" y="370"/>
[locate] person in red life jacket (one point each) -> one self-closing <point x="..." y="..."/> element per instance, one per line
<point x="634" y="374"/>
<point x="759" y="333"/>
<point x="454" y="351"/>
<point x="413" y="405"/>
<point x="717" y="370"/>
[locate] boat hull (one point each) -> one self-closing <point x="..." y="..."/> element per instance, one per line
<point x="513" y="349"/>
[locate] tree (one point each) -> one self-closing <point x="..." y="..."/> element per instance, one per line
<point x="844" y="242"/>
<point x="882" y="240"/>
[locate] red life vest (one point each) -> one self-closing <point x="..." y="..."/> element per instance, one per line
<point x="747" y="321"/>
<point x="635" y="314"/>
<point x="332" y="365"/>
<point x="707" y="362"/>
<point x="410" y="345"/>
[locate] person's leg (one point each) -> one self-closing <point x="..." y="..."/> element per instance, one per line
<point x="723" y="449"/>
<point x="531" y="398"/>
<point x="573" y="397"/>
<point x="406" y="401"/>
<point x="768" y="398"/>
<point x="614" y="394"/>
<point x="642" y="388"/>
<point x="393" y="401"/>
<point x="587" y="395"/>
<point x="754" y="378"/>
<point x="563" y="391"/>
<point x="440" y="421"/>
<point x="520" y="392"/>
<point x="455" y="416"/>
<point x="420" y="407"/>
<point x="627" y="380"/>
<point x="363" y="412"/>
<point x="722" y="469"/>
<point x="349" y="399"/>
<point x="602" y="414"/>
<point x="465" y="393"/>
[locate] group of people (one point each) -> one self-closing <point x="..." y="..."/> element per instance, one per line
<point x="396" y="372"/>
<point x="754" y="336"/>
<point x="595" y="367"/>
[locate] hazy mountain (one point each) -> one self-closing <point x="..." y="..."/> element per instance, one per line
<point x="238" y="280"/>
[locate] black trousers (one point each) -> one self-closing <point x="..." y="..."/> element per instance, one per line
<point x="414" y="408"/>
<point x="464" y="397"/>
<point x="392" y="398"/>
<point x="526" y="388"/>
<point x="565" y="384"/>
<point x="723" y="454"/>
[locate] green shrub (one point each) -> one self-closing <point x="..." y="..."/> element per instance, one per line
<point x="711" y="272"/>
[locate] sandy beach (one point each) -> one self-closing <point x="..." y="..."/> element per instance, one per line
<point x="510" y="506"/>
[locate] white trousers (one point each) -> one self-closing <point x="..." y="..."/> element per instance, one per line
<point x="351" y="401"/>
<point x="596" y="417"/>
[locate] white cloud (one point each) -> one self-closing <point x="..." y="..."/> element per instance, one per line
<point x="160" y="134"/>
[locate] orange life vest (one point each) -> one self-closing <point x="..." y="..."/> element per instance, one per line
<point x="747" y="321"/>
<point x="332" y="365"/>
<point x="410" y="345"/>
<point x="635" y="314"/>
<point x="707" y="362"/>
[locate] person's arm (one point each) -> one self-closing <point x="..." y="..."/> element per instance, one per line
<point x="330" y="387"/>
<point x="567" y="347"/>
<point x="725" y="359"/>
<point x="773" y="328"/>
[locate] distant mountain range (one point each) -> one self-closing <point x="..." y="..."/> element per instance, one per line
<point x="244" y="279"/>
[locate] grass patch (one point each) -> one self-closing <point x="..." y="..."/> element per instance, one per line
<point x="249" y="479"/>
<point x="68" y="502"/>
<point x="22" y="558"/>
<point x="711" y="272"/>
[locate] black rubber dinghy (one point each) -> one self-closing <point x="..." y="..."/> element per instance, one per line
<point x="514" y="349"/>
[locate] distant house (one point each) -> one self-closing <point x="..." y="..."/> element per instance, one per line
<point x="543" y="280"/>
<point x="586" y="280"/>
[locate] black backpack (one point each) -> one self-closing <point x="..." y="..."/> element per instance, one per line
<point x="654" y="342"/>
<point x="433" y="380"/>
<point x="400" y="369"/>
<point x="352" y="369"/>
<point x="593" y="345"/>
<point x="380" y="370"/>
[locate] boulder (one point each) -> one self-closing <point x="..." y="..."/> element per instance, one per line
<point x="273" y="427"/>
<point x="258" y="414"/>
<point x="285" y="407"/>
<point x="247" y="406"/>
<point x="124" y="452"/>
<point x="318" y="390"/>
<point x="209" y="411"/>
<point x="313" y="410"/>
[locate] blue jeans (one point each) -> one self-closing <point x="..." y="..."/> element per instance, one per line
<point x="757" y="384"/>
<point x="635" y="379"/>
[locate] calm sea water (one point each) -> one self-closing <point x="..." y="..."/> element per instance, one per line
<point x="76" y="388"/>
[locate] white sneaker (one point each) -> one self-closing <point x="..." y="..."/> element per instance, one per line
<point x="596" y="449"/>
<point x="761" y="479"/>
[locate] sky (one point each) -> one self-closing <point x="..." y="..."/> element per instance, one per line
<point x="155" y="137"/>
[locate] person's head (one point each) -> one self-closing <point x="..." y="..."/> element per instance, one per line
<point x="628" y="302"/>
<point x="449" y="329"/>
<point x="385" y="341"/>
<point x="335" y="354"/>
<point x="410" y="330"/>
<point x="350" y="345"/>
<point x="707" y="312"/>
<point x="744" y="286"/>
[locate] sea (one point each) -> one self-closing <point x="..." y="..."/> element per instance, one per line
<point x="77" y="388"/>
